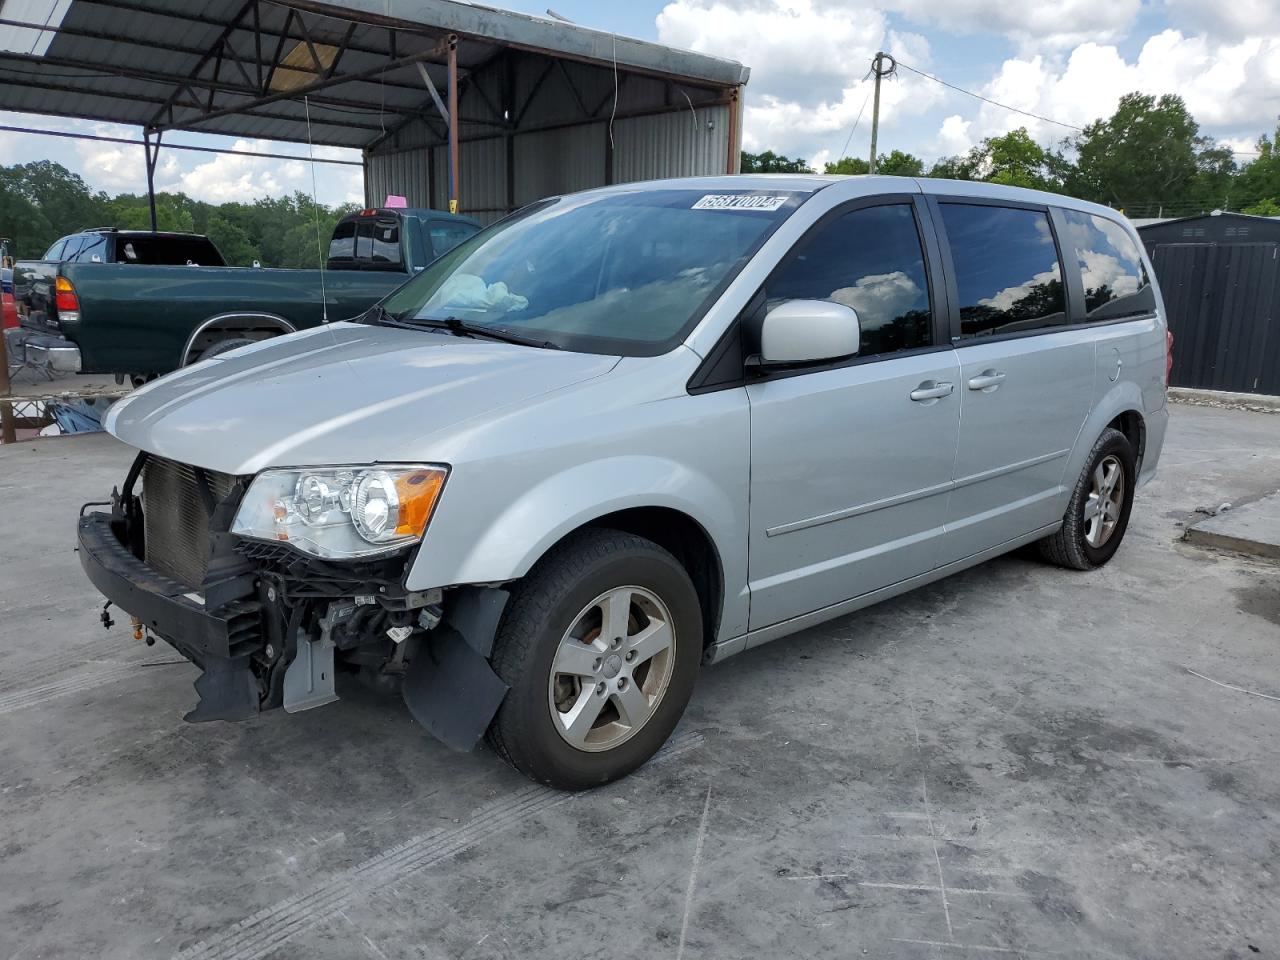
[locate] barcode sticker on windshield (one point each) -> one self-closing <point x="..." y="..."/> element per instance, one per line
<point x="740" y="201"/>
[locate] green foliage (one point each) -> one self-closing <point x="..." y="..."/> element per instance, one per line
<point x="769" y="162"/>
<point x="1149" y="157"/>
<point x="42" y="201"/>
<point x="896" y="164"/>
<point x="899" y="164"/>
<point x="848" y="166"/>
<point x="237" y="249"/>
<point x="1263" y="208"/>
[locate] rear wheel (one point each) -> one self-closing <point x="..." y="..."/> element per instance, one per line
<point x="1098" y="514"/>
<point x="222" y="346"/>
<point x="600" y="645"/>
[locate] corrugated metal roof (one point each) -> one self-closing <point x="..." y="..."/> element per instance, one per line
<point x="207" y="66"/>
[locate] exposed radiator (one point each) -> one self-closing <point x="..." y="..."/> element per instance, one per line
<point x="176" y="519"/>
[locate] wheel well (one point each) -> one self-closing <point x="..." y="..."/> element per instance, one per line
<point x="684" y="538"/>
<point x="253" y="326"/>
<point x="1131" y="424"/>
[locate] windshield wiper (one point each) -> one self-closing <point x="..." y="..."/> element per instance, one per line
<point x="460" y="328"/>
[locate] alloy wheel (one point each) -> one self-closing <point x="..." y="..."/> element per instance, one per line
<point x="611" y="668"/>
<point x="1106" y="499"/>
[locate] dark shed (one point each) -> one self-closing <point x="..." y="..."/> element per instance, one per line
<point x="1220" y="278"/>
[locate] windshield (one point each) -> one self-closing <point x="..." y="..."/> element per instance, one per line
<point x="618" y="273"/>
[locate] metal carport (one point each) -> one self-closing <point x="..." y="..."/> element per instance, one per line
<point x="448" y="101"/>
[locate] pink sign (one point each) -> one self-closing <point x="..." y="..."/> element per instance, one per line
<point x="395" y="203"/>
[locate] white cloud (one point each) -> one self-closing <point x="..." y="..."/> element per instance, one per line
<point x="240" y="176"/>
<point x="1230" y="20"/>
<point x="954" y="137"/>
<point x="1225" y="85"/>
<point x="809" y="64"/>
<point x="1038" y="23"/>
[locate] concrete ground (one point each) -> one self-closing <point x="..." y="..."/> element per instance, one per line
<point x="1019" y="761"/>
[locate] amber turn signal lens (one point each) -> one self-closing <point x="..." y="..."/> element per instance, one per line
<point x="417" y="493"/>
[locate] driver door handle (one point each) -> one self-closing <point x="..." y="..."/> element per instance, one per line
<point x="987" y="380"/>
<point x="932" y="390"/>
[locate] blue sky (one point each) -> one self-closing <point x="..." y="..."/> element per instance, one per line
<point x="1068" y="60"/>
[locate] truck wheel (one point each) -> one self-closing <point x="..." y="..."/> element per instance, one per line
<point x="600" y="645"/>
<point x="222" y="346"/>
<point x="1098" y="513"/>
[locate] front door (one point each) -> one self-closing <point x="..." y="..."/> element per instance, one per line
<point x="851" y="463"/>
<point x="1025" y="383"/>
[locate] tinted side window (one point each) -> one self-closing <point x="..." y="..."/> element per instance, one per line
<point x="343" y="244"/>
<point x="445" y="236"/>
<point x="95" y="245"/>
<point x="74" y="244"/>
<point x="54" y="253"/>
<point x="870" y="260"/>
<point x="1006" y="265"/>
<point x="1115" y="281"/>
<point x="386" y="241"/>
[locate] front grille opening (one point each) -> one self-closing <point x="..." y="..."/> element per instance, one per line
<point x="175" y="519"/>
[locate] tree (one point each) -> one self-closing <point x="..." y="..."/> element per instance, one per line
<point x="42" y="201"/>
<point x="231" y="239"/>
<point x="1259" y="179"/>
<point x="848" y="166"/>
<point x="770" y="162"/>
<point x="1264" y="208"/>
<point x="952" y="168"/>
<point x="1015" y="160"/>
<point x="1145" y="152"/>
<point x="897" y="164"/>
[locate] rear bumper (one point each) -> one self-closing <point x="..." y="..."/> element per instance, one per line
<point x="167" y="607"/>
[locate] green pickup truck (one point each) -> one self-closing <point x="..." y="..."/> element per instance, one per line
<point x="137" y="304"/>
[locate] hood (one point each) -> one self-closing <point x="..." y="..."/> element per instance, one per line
<point x="344" y="393"/>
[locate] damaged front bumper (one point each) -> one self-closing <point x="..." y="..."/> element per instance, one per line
<point x="270" y="628"/>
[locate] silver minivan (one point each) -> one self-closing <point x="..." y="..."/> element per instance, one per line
<point x="626" y="433"/>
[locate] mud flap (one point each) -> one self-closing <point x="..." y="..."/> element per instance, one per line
<point x="449" y="686"/>
<point x="228" y="691"/>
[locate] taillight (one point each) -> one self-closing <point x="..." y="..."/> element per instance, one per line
<point x="1168" y="357"/>
<point x="65" y="296"/>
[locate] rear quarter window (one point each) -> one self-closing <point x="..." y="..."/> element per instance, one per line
<point x="1115" y="279"/>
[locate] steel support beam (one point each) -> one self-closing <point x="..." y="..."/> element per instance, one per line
<point x="455" y="202"/>
<point x="152" y="155"/>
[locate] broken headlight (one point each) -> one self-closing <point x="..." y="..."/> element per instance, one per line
<point x="342" y="512"/>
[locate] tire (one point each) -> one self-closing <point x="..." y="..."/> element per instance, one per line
<point x="222" y="346"/>
<point x="558" y="615"/>
<point x="1072" y="546"/>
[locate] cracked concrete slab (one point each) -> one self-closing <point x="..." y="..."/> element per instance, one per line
<point x="1252" y="528"/>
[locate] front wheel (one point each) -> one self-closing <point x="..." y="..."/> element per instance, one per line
<point x="1098" y="514"/>
<point x="600" y="645"/>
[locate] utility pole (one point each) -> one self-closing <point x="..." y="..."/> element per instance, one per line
<point x="879" y="69"/>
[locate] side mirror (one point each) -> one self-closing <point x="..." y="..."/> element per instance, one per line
<point x="805" y="331"/>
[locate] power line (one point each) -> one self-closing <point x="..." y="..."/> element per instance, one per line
<point x="100" y="138"/>
<point x="994" y="103"/>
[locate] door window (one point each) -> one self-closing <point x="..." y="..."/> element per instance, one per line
<point x="871" y="260"/>
<point x="445" y="236"/>
<point x="1007" y="273"/>
<point x="95" y="245"/>
<point x="1115" y="280"/>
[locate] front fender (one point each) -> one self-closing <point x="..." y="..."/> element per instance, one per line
<point x="512" y="539"/>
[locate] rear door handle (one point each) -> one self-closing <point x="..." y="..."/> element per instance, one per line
<point x="987" y="380"/>
<point x="932" y="390"/>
